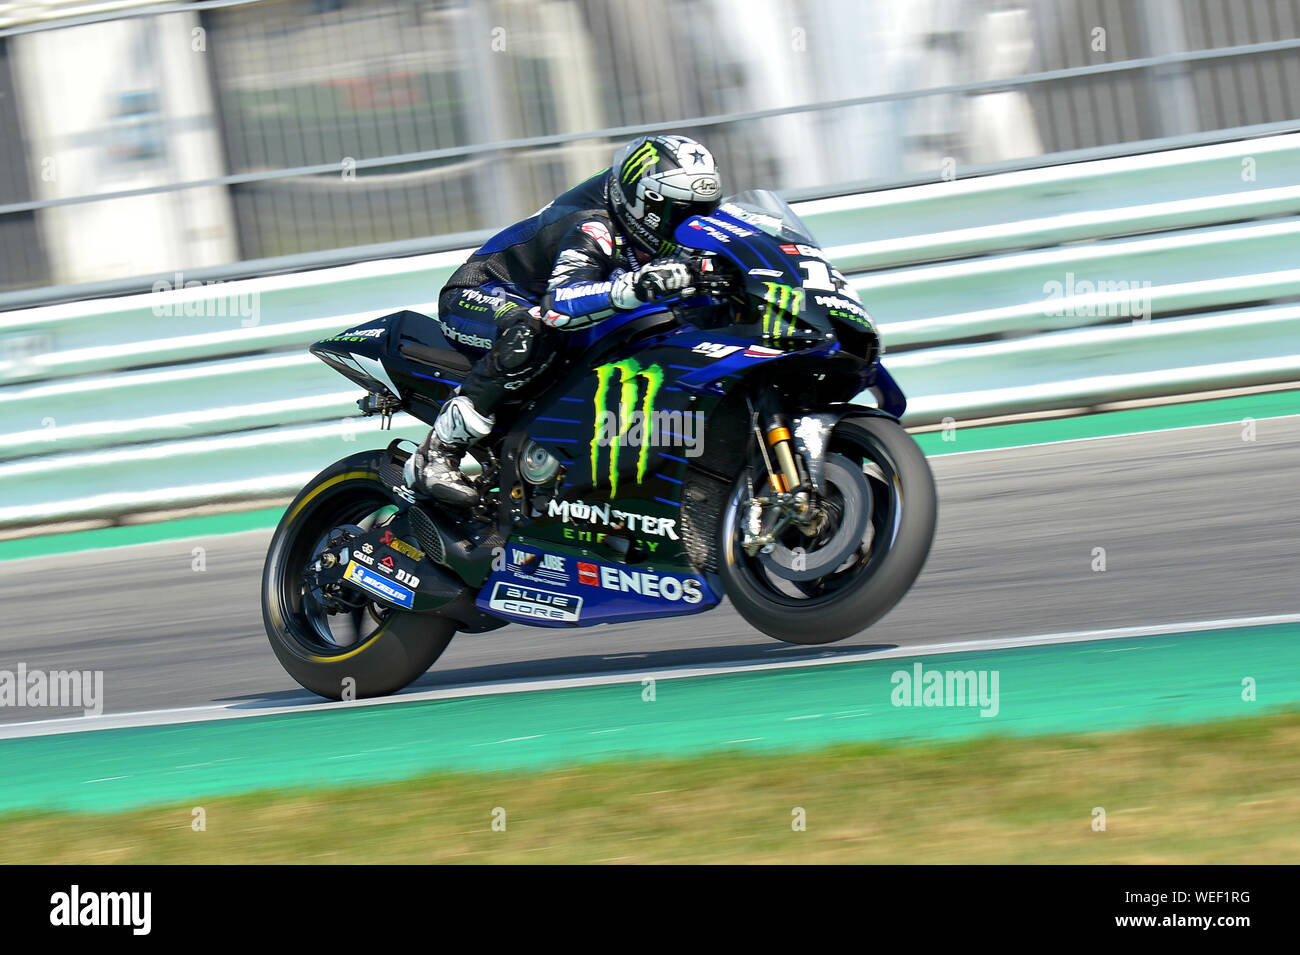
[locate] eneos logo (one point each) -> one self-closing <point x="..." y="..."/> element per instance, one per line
<point x="660" y="586"/>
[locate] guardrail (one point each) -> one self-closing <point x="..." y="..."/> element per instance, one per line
<point x="1059" y="287"/>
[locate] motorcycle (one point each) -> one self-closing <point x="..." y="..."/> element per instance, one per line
<point x="705" y="445"/>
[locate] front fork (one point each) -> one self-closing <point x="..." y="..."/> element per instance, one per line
<point x="792" y="464"/>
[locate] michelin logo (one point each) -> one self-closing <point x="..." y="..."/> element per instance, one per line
<point x="380" y="586"/>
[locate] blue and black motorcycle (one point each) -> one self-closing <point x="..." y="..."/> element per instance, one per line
<point x="739" y="440"/>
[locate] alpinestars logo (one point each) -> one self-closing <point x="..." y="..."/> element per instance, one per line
<point x="465" y="338"/>
<point x="599" y="233"/>
<point x="631" y="374"/>
<point x="782" y="300"/>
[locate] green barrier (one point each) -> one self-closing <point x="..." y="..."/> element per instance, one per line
<point x="1067" y="286"/>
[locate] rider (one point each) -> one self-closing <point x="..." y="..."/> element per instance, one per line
<point x="601" y="247"/>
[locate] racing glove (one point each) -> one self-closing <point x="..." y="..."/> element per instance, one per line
<point x="656" y="279"/>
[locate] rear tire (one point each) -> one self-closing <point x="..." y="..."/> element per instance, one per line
<point x="400" y="648"/>
<point x="880" y="578"/>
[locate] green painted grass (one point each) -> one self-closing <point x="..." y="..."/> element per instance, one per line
<point x="1202" y="794"/>
<point x="1041" y="690"/>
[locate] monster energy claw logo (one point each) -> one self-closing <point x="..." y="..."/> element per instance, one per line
<point x="781" y="300"/>
<point x="641" y="160"/>
<point x="627" y="426"/>
<point x="630" y="372"/>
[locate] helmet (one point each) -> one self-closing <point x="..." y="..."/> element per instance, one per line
<point x="656" y="183"/>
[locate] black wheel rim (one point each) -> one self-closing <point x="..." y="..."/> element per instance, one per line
<point x="886" y="511"/>
<point x="310" y="625"/>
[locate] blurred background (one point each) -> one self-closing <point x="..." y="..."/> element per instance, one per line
<point x="1047" y="205"/>
<point x="138" y="139"/>
<point x="1074" y="218"/>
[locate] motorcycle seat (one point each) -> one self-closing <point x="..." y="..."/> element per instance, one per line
<point x="443" y="359"/>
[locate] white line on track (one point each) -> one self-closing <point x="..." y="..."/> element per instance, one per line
<point x="308" y="703"/>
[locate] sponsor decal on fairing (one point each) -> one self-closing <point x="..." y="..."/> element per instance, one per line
<point x="715" y="350"/>
<point x="394" y="542"/>
<point x="533" y="602"/>
<point x="539" y="566"/>
<point x="388" y="589"/>
<point x="606" y="516"/>
<point x="658" y="586"/>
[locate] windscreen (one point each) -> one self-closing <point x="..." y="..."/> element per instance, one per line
<point x="767" y="211"/>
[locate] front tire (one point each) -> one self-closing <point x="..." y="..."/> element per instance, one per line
<point x="903" y="510"/>
<point x="371" y="653"/>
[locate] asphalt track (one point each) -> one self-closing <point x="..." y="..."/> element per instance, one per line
<point x="1197" y="524"/>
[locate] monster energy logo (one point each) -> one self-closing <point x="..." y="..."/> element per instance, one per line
<point x="637" y="427"/>
<point x="629" y="371"/>
<point x="641" y="160"/>
<point x="781" y="300"/>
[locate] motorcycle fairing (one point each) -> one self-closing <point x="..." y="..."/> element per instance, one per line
<point x="544" y="587"/>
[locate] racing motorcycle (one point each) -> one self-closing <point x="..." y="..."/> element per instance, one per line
<point x="738" y="439"/>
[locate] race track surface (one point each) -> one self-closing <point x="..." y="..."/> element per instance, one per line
<point x="1197" y="524"/>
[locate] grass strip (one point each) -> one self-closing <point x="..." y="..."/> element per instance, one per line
<point x="1224" y="792"/>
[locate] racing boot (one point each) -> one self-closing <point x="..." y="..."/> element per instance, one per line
<point x="434" y="469"/>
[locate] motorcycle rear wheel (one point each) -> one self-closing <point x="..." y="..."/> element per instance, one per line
<point x="389" y="648"/>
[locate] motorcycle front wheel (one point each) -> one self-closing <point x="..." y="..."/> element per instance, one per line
<point x="881" y="506"/>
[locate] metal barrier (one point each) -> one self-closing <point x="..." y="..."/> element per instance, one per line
<point x="1048" y="288"/>
<point x="227" y="131"/>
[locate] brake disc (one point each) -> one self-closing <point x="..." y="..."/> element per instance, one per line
<point x="800" y="563"/>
